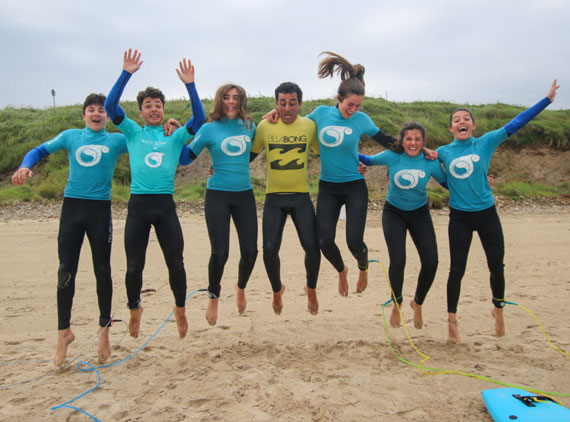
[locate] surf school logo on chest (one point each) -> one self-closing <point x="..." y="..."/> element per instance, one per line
<point x="154" y="159"/>
<point x="90" y="155"/>
<point x="463" y="167"/>
<point x="408" y="179"/>
<point x="332" y="136"/>
<point x="235" y="145"/>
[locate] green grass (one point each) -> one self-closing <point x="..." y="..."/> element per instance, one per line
<point x="519" y="190"/>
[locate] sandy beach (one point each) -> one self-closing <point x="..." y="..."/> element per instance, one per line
<point x="336" y="366"/>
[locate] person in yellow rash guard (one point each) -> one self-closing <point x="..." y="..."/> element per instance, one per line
<point x="287" y="146"/>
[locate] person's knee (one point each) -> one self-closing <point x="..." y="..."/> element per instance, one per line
<point x="219" y="258"/>
<point x="270" y="250"/>
<point x="249" y="256"/>
<point x="64" y="277"/>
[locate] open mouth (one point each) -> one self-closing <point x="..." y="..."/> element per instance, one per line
<point x="462" y="130"/>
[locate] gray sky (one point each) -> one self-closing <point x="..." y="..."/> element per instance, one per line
<point x="477" y="51"/>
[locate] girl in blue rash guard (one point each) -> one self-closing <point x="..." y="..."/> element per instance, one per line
<point x="86" y="210"/>
<point x="153" y="159"/>
<point x="466" y="161"/>
<point x="339" y="129"/>
<point x="228" y="136"/>
<point x="406" y="209"/>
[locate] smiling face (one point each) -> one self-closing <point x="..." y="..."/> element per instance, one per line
<point x="288" y="106"/>
<point x="413" y="142"/>
<point x="152" y="111"/>
<point x="462" y="125"/>
<point x="350" y="105"/>
<point x="95" y="117"/>
<point x="231" y="103"/>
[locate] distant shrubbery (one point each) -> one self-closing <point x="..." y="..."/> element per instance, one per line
<point x="25" y="128"/>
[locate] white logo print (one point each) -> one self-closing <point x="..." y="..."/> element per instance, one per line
<point x="335" y="132"/>
<point x="464" y="165"/>
<point x="154" y="159"/>
<point x="93" y="151"/>
<point x="409" y="177"/>
<point x="240" y="142"/>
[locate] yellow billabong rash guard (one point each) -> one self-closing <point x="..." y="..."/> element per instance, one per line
<point x="287" y="151"/>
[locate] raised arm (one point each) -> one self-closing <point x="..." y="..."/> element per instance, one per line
<point x="530" y="113"/>
<point x="131" y="63"/>
<point x="186" y="75"/>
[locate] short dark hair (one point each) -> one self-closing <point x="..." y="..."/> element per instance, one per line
<point x="461" y="109"/>
<point x="289" y="88"/>
<point x="94" y="99"/>
<point x="152" y="93"/>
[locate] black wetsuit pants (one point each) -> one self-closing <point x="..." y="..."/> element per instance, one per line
<point x="331" y="197"/>
<point x="78" y="218"/>
<point x="396" y="223"/>
<point x="158" y="210"/>
<point x="220" y="207"/>
<point x="486" y="223"/>
<point x="300" y="208"/>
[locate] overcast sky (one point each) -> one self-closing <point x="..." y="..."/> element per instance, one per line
<point x="478" y="51"/>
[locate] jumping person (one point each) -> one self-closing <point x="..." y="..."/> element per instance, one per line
<point x="472" y="206"/>
<point x="287" y="191"/>
<point x="229" y="195"/>
<point x="406" y="209"/>
<point x="153" y="159"/>
<point x="86" y="210"/>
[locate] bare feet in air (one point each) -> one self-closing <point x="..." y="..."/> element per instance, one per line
<point x="135" y="321"/>
<point x="418" y="320"/>
<point x="278" y="300"/>
<point x="104" y="345"/>
<point x="181" y="321"/>
<point x="240" y="299"/>
<point x="64" y="339"/>
<point x="312" y="302"/>
<point x="395" y="316"/>
<point x="343" y="282"/>
<point x="499" y="322"/>
<point x="362" y="281"/>
<point x="453" y="329"/>
<point x="212" y="311"/>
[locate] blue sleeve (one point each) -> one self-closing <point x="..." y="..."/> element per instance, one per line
<point x="526" y="116"/>
<point x="33" y="156"/>
<point x="112" y="107"/>
<point x="198" y="116"/>
<point x="186" y="156"/>
<point x="365" y="159"/>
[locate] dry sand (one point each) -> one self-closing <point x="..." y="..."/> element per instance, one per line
<point x="335" y="366"/>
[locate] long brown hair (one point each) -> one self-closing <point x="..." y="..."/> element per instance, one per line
<point x="352" y="75"/>
<point x="217" y="111"/>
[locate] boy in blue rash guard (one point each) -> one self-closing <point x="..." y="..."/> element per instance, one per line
<point x="153" y="160"/>
<point x="227" y="136"/>
<point x="406" y="209"/>
<point x="466" y="161"/>
<point x="92" y="154"/>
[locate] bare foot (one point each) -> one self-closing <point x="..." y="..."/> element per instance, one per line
<point x="418" y="320"/>
<point x="343" y="282"/>
<point x="362" y="281"/>
<point x="212" y="311"/>
<point x="452" y="326"/>
<point x="64" y="339"/>
<point x="181" y="321"/>
<point x="312" y="302"/>
<point x="104" y="346"/>
<point x="135" y="321"/>
<point x="499" y="322"/>
<point x="395" y="316"/>
<point x="278" y="300"/>
<point x="240" y="298"/>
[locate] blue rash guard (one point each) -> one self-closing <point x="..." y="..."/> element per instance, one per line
<point x="92" y="159"/>
<point x="467" y="162"/>
<point x="338" y="142"/>
<point x="408" y="177"/>
<point x="153" y="156"/>
<point x="229" y="144"/>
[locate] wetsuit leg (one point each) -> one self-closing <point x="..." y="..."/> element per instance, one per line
<point x="329" y="204"/>
<point x="460" y="233"/>
<point x="274" y="217"/>
<point x="395" y="230"/>
<point x="423" y="234"/>
<point x="303" y="216"/>
<point x="217" y="210"/>
<point x="356" y="211"/>
<point x="244" y="214"/>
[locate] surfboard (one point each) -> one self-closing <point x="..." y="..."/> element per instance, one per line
<point x="514" y="404"/>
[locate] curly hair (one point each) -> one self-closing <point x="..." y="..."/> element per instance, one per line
<point x="152" y="93"/>
<point x="94" y="99"/>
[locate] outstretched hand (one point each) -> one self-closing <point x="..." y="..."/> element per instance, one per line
<point x="132" y="61"/>
<point x="20" y="176"/>
<point x="552" y="93"/>
<point x="186" y="71"/>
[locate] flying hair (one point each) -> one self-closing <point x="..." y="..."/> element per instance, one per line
<point x="352" y="75"/>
